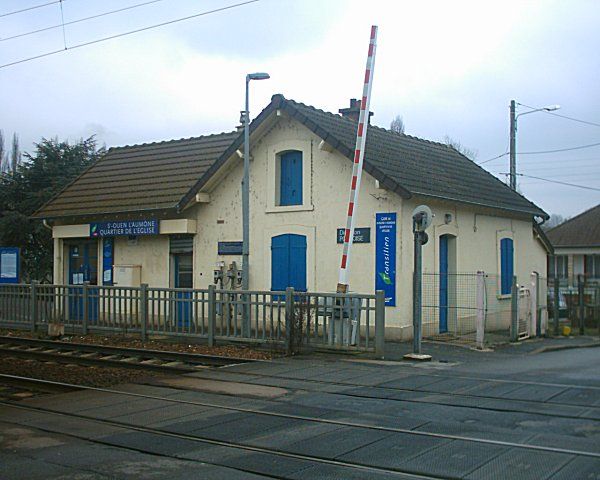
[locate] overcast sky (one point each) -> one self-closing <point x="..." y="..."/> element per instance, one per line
<point x="447" y="67"/>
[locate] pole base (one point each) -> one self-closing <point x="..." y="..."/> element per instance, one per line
<point x="419" y="357"/>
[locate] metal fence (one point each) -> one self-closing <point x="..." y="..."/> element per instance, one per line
<point x="574" y="303"/>
<point x="291" y="319"/>
<point x="470" y="308"/>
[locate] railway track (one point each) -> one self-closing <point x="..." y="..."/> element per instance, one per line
<point x="114" y="357"/>
<point x="362" y="468"/>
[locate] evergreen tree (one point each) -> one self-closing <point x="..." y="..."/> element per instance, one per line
<point x="36" y="180"/>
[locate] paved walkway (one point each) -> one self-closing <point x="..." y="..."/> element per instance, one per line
<point x="507" y="414"/>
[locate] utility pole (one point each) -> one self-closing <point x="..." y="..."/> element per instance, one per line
<point x="513" y="142"/>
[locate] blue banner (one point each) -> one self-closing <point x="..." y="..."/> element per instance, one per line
<point x="385" y="256"/>
<point x="108" y="246"/>
<point x="124" y="228"/>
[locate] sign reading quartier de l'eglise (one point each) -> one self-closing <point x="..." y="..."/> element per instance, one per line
<point x="385" y="256"/>
<point x="124" y="228"/>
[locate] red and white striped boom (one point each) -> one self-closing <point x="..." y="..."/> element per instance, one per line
<point x="359" y="155"/>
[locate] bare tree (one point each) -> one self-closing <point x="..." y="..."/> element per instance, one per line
<point x="397" y="124"/>
<point x="2" y="153"/>
<point x="554" y="220"/>
<point x="460" y="148"/>
<point x="15" y="153"/>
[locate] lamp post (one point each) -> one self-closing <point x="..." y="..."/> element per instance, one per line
<point x="246" y="185"/>
<point x="513" y="137"/>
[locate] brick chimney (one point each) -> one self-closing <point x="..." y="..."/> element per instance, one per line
<point x="353" y="111"/>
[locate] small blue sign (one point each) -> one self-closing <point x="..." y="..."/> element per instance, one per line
<point x="124" y="228"/>
<point x="385" y="256"/>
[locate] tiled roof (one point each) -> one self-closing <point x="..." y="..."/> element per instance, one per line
<point x="167" y="175"/>
<point x="153" y="176"/>
<point x="414" y="165"/>
<point x="580" y="231"/>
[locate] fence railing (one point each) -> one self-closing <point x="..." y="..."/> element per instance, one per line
<point x="574" y="303"/>
<point x="470" y="308"/>
<point x="289" y="318"/>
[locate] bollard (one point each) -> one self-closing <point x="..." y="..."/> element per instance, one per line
<point x="480" y="322"/>
<point x="581" y="293"/>
<point x="556" y="309"/>
<point x="514" y="311"/>
<point x="289" y="313"/>
<point x="380" y="324"/>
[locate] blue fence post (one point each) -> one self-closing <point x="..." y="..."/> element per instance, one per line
<point x="212" y="314"/>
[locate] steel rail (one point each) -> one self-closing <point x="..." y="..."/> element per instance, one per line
<point x="324" y="421"/>
<point x="194" y="438"/>
<point x="168" y="356"/>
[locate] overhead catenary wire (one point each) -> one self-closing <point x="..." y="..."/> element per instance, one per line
<point x="543" y="152"/>
<point x="578" y="120"/>
<point x="586" y="187"/>
<point x="130" y="32"/>
<point x="29" y="8"/>
<point x="79" y="20"/>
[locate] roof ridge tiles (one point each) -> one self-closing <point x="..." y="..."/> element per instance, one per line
<point x="163" y="142"/>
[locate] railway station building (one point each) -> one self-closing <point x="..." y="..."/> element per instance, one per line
<point x="169" y="214"/>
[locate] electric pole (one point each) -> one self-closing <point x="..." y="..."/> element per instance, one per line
<point x="513" y="151"/>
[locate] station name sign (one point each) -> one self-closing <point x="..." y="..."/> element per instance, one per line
<point x="124" y="228"/>
<point x="361" y="235"/>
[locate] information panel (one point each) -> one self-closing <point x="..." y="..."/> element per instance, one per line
<point x="124" y="228"/>
<point x="9" y="265"/>
<point x="385" y="256"/>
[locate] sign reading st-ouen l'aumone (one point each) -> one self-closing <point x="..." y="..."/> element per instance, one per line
<point x="124" y="228"/>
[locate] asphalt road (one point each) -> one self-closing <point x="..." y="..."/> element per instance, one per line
<point x="510" y="414"/>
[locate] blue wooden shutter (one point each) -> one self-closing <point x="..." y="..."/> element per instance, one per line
<point x="288" y="262"/>
<point x="298" y="262"/>
<point x="290" y="187"/>
<point x="280" y="260"/>
<point x="506" y="265"/>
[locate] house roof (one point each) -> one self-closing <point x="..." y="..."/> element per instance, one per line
<point x="580" y="231"/>
<point x="152" y="176"/>
<point x="167" y="175"/>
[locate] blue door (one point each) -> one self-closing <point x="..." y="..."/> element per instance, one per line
<point x="83" y="267"/>
<point x="288" y="262"/>
<point x="443" y="283"/>
<point x="183" y="279"/>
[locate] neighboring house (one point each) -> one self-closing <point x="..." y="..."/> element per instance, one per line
<point x="576" y="245"/>
<point x="182" y="201"/>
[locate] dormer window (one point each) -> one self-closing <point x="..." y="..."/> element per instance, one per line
<point x="290" y="178"/>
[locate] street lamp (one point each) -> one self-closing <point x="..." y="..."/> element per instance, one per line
<point x="246" y="184"/>
<point x="513" y="137"/>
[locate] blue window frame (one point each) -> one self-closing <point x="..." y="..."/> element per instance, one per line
<point x="506" y="265"/>
<point x="290" y="181"/>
